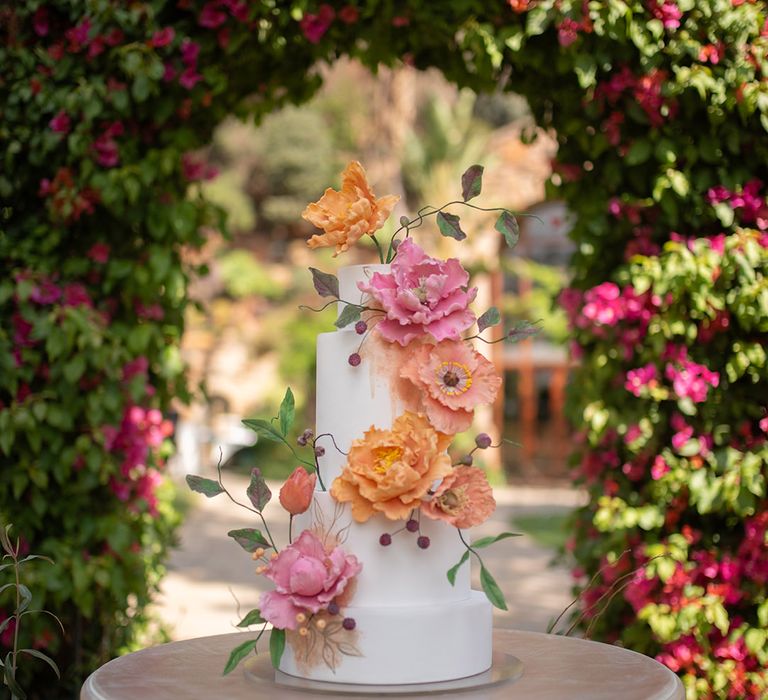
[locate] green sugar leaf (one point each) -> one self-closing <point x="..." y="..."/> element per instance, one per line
<point x="487" y="541"/>
<point x="350" y="314"/>
<point x="287" y="411"/>
<point x="492" y="317"/>
<point x="258" y="492"/>
<point x="449" y="226"/>
<point x="451" y="573"/>
<point x="252" y="618"/>
<point x="326" y="284"/>
<point x="208" y="487"/>
<point x="238" y="654"/>
<point x="276" y="646"/>
<point x="249" y="538"/>
<point x="492" y="590"/>
<point x="472" y="182"/>
<point x="508" y="227"/>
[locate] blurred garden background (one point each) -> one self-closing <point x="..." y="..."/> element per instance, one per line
<point x="156" y="157"/>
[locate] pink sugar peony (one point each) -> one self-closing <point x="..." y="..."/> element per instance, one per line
<point x="422" y="296"/>
<point x="448" y="381"/>
<point x="307" y="577"/>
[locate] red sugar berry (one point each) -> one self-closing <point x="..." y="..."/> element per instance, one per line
<point x="385" y="540"/>
<point x="423" y="542"/>
<point x="349" y="623"/>
<point x="361" y="327"/>
<point x="354" y="359"/>
<point x="412" y="525"/>
<point x="333" y="608"/>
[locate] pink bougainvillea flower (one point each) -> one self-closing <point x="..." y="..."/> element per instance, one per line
<point x="40" y="21"/>
<point x="163" y="37"/>
<point x="189" y="78"/>
<point x="448" y="381"/>
<point x="307" y="577"/>
<point x="107" y="151"/>
<point x="314" y="26"/>
<point x="211" y="16"/>
<point x="667" y="11"/>
<point x="189" y="52"/>
<point x="61" y="123"/>
<point x="463" y="499"/>
<point x="349" y="14"/>
<point x="421" y="296"/>
<point x="195" y="169"/>
<point x="568" y="32"/>
<point x="296" y="492"/>
<point x="691" y="380"/>
<point x="348" y="214"/>
<point x="659" y="468"/>
<point x="638" y="379"/>
<point x="99" y="252"/>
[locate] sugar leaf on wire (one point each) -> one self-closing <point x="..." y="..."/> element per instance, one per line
<point x="492" y="317"/>
<point x="449" y="226"/>
<point x="472" y="182"/>
<point x="258" y="492"/>
<point x="208" y="487"/>
<point x="508" y="227"/>
<point x="326" y="284"/>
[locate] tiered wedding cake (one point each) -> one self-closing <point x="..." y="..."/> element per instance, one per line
<point x="412" y="625"/>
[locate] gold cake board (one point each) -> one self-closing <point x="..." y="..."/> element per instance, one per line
<point x="505" y="668"/>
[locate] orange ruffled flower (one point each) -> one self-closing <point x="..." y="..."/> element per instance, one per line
<point x="296" y="492"/>
<point x="347" y="215"/>
<point x="447" y="381"/>
<point x="464" y="499"/>
<point x="390" y="471"/>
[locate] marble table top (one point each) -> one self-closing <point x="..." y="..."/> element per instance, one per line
<point x="554" y="668"/>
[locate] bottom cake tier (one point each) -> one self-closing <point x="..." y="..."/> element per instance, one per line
<point x="399" y="645"/>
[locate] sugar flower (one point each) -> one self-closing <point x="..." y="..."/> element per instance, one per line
<point x="463" y="499"/>
<point x="449" y="380"/>
<point x="349" y="214"/>
<point x="296" y="492"/>
<point x="307" y="577"/>
<point x="390" y="471"/>
<point x="421" y="296"/>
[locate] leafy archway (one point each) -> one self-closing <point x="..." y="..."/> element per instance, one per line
<point x="660" y="109"/>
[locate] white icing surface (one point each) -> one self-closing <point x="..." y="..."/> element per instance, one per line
<point x="412" y="644"/>
<point x="401" y="573"/>
<point x="350" y="400"/>
<point x="349" y="277"/>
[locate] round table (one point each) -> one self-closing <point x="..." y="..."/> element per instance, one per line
<point x="554" y="668"/>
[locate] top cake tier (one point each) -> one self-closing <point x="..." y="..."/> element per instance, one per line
<point x="349" y="277"/>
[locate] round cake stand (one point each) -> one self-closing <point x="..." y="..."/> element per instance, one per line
<point x="505" y="668"/>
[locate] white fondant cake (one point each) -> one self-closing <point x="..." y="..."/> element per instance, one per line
<point x="411" y="624"/>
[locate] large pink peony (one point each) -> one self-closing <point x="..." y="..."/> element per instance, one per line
<point x="422" y="296"/>
<point x="307" y="577"/>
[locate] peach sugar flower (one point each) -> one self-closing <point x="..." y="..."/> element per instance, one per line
<point x="389" y="471"/>
<point x="296" y="492"/>
<point x="347" y="215"/>
<point x="447" y="381"/>
<point x="463" y="499"/>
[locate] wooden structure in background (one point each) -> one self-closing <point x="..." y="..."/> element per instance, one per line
<point x="536" y="363"/>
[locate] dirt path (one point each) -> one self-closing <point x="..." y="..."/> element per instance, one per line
<point x="196" y="601"/>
